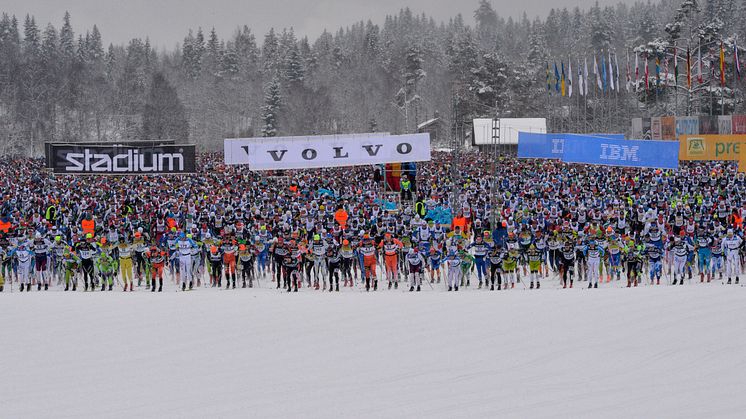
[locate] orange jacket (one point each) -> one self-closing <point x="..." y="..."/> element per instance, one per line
<point x="88" y="226"/>
<point x="459" y="222"/>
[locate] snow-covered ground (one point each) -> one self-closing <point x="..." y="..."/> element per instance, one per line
<point x="649" y="352"/>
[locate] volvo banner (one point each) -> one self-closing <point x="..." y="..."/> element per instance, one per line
<point x="106" y="159"/>
<point x="279" y="153"/>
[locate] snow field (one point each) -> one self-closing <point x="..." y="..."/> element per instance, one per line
<point x="647" y="352"/>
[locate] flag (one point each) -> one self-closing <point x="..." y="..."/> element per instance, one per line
<point x="637" y="69"/>
<point x="675" y="67"/>
<point x="549" y="82"/>
<point x="562" y="81"/>
<point x="688" y="68"/>
<point x="736" y="63"/>
<point x="616" y="68"/>
<point x="569" y="77"/>
<point x="580" y="79"/>
<point x="603" y="72"/>
<point x="665" y="68"/>
<point x="611" y="72"/>
<point x="657" y="70"/>
<point x="647" y="72"/>
<point x="722" y="64"/>
<point x="585" y="76"/>
<point x="699" y="64"/>
<point x="629" y="75"/>
<point x="556" y="78"/>
<point x="596" y="72"/>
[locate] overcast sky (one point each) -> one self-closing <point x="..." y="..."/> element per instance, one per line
<point x="167" y="21"/>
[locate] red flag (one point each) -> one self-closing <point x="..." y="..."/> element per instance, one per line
<point x="688" y="68"/>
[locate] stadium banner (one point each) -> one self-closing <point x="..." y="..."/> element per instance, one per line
<point x="106" y="159"/>
<point x="711" y="147"/>
<point x="725" y="124"/>
<point x="627" y="153"/>
<point x="550" y="146"/>
<point x="279" y="153"/>
<point x="48" y="146"/>
<point x="668" y="128"/>
<point x="708" y="125"/>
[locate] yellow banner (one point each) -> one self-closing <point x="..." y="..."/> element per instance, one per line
<point x="712" y="147"/>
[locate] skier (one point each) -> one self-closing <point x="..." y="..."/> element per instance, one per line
<point x="534" y="257"/>
<point x="416" y="263"/>
<point x="731" y="245"/>
<point x="106" y="269"/>
<point x="25" y="263"/>
<point x="496" y="258"/>
<point x="593" y="255"/>
<point x="156" y="259"/>
<point x="567" y="263"/>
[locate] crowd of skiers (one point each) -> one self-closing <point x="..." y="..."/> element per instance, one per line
<point x="508" y="222"/>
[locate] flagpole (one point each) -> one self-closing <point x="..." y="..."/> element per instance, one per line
<point x="675" y="81"/>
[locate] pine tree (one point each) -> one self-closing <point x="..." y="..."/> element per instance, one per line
<point x="67" y="39"/>
<point x="270" y="52"/>
<point x="487" y="21"/>
<point x="272" y="104"/>
<point x="164" y="116"/>
<point x="31" y="40"/>
<point x="111" y="63"/>
<point x="294" y="72"/>
<point x="95" y="47"/>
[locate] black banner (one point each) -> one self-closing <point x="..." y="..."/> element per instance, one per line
<point x="119" y="159"/>
<point x="48" y="146"/>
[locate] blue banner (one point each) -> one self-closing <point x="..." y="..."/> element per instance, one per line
<point x="550" y="146"/>
<point x="540" y="146"/>
<point x="627" y="153"/>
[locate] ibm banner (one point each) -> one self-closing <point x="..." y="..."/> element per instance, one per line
<point x="629" y="153"/>
<point x="121" y="159"/>
<point x="550" y="146"/>
<point x="280" y="153"/>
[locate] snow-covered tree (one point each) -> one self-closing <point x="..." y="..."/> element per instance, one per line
<point x="272" y="105"/>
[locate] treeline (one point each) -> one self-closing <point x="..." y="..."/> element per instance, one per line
<point x="57" y="84"/>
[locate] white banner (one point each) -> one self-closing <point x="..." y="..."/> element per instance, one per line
<point x="279" y="153"/>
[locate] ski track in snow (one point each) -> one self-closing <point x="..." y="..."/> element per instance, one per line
<point x="648" y="352"/>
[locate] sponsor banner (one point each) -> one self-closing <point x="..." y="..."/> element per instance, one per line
<point x="711" y="147"/>
<point x="655" y="128"/>
<point x="540" y="146"/>
<point x="280" y="153"/>
<point x="708" y="125"/>
<point x="687" y="125"/>
<point x="668" y="128"/>
<point x="627" y="153"/>
<point x="48" y="146"/>
<point x="739" y="124"/>
<point x="725" y="124"/>
<point x="121" y="159"/>
<point x="550" y="146"/>
<point x="637" y="128"/>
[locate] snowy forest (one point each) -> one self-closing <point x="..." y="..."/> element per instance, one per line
<point x="65" y="84"/>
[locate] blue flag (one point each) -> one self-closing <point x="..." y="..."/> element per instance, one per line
<point x="556" y="78"/>
<point x="603" y="71"/>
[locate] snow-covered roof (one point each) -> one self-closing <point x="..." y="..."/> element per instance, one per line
<point x="428" y="123"/>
